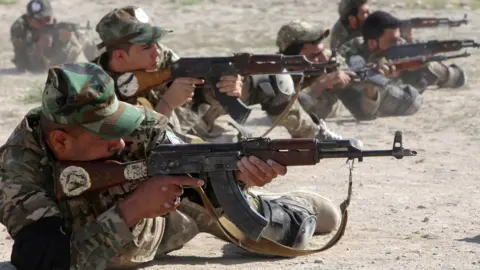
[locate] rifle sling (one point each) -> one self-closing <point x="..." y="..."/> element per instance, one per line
<point x="266" y="246"/>
<point x="287" y="108"/>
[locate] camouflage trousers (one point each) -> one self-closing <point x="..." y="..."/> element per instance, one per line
<point x="214" y="127"/>
<point x="190" y="219"/>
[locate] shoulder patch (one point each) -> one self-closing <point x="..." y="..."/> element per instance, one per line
<point x="127" y="84"/>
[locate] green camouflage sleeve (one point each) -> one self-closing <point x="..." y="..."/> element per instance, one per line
<point x="23" y="199"/>
<point x="22" y="42"/>
<point x="338" y="36"/>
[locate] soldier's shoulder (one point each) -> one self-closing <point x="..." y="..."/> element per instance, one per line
<point x="167" y="56"/>
<point x="338" y="28"/>
<point x="352" y="47"/>
<point x="19" y="25"/>
<point x="152" y="130"/>
<point x="22" y="154"/>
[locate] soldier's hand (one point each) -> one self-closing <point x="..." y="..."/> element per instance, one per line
<point x="155" y="197"/>
<point x="44" y="42"/>
<point x="65" y="35"/>
<point x="181" y="91"/>
<point x="232" y="85"/>
<point x="256" y="172"/>
<point x="341" y="79"/>
<point x="388" y="71"/>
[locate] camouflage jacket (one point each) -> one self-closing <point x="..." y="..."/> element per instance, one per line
<point x="396" y="98"/>
<point x="99" y="234"/>
<point x="28" y="57"/>
<point x="152" y="96"/>
<point x="341" y="34"/>
<point x="195" y="118"/>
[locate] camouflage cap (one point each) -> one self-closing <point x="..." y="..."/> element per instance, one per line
<point x="83" y="94"/>
<point x="129" y="24"/>
<point x="299" y="32"/>
<point x="346" y="6"/>
<point x="39" y="9"/>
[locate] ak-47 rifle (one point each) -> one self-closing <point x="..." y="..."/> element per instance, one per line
<point x="216" y="164"/>
<point x="372" y="75"/>
<point x="212" y="68"/>
<point x="430" y="22"/>
<point x="428" y="48"/>
<point x="68" y="26"/>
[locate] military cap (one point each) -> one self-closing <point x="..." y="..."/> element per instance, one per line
<point x="39" y="9"/>
<point x="346" y="6"/>
<point x="297" y="31"/>
<point x="82" y="94"/>
<point x="128" y="24"/>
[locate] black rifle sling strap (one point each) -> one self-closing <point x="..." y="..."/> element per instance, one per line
<point x="267" y="246"/>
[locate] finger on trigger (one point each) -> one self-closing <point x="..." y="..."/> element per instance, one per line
<point x="184" y="181"/>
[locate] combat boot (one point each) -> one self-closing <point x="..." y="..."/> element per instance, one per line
<point x="326" y="213"/>
<point x="293" y="217"/>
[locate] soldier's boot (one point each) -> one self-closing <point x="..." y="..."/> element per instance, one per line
<point x="324" y="133"/>
<point x="326" y="213"/>
<point x="301" y="125"/>
<point x="444" y="76"/>
<point x="293" y="217"/>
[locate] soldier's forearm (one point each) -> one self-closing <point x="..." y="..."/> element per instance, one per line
<point x="164" y="108"/>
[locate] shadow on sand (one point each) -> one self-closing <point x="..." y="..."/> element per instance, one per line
<point x="232" y="255"/>
<point x="474" y="240"/>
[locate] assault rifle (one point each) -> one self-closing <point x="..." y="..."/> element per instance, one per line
<point x="71" y="27"/>
<point x="430" y="22"/>
<point x="373" y="76"/>
<point x="212" y="68"/>
<point x="428" y="48"/>
<point x="216" y="164"/>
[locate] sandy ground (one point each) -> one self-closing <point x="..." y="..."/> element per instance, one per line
<point x="415" y="213"/>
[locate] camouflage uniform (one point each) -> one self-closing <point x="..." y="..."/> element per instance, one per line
<point x="332" y="101"/>
<point x="199" y="118"/>
<point x="340" y="32"/>
<point x="79" y="47"/>
<point x="395" y="98"/>
<point x="99" y="236"/>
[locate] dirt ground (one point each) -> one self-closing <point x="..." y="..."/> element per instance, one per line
<point x="415" y="213"/>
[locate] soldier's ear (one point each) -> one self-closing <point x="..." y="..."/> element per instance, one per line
<point x="119" y="55"/>
<point x="60" y="143"/>
<point x="353" y="22"/>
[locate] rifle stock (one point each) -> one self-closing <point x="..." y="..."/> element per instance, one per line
<point x="216" y="163"/>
